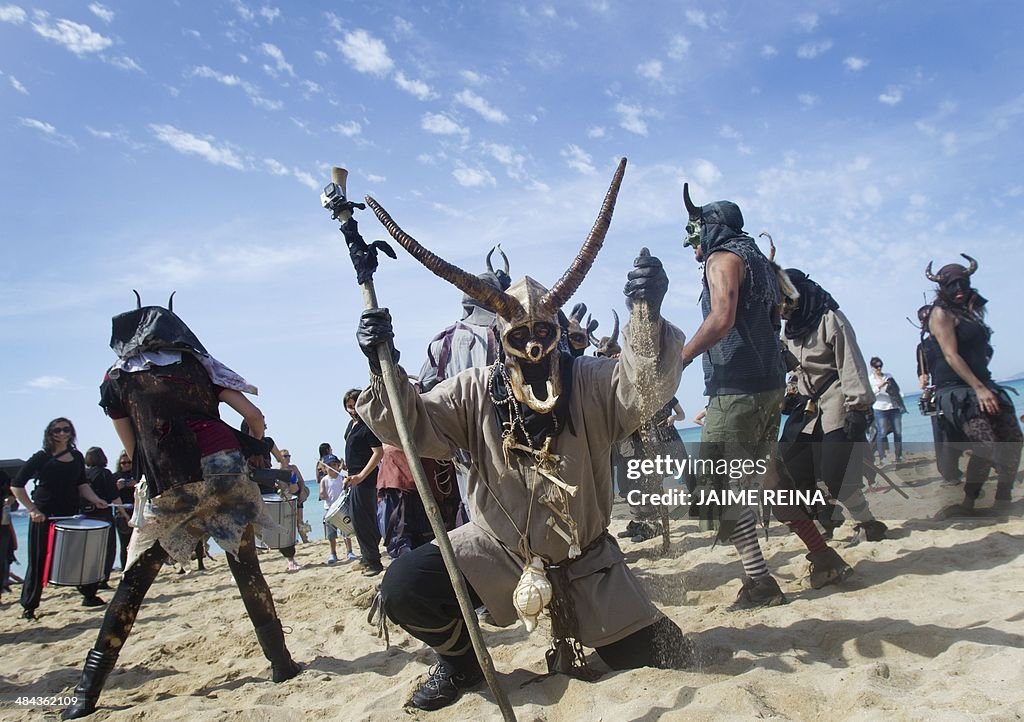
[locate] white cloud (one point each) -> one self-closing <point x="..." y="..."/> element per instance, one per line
<point x="12" y="14"/>
<point x="280" y="64"/>
<point x="48" y="131"/>
<point x="809" y="51"/>
<point x="426" y="159"/>
<point x="631" y="118"/>
<point x="471" y="77"/>
<point x="487" y="111"/>
<point x="473" y="177"/>
<point x="949" y="143"/>
<point x="892" y="96"/>
<point x="243" y="10"/>
<point x="441" y="124"/>
<point x="918" y="200"/>
<point x="310" y="87"/>
<point x="365" y="53"/>
<point x="333" y="21"/>
<point x="729" y="133"/>
<point x="698" y="18"/>
<point x="807" y="21"/>
<point x="705" y="172"/>
<point x="374" y="178"/>
<point x="596" y="132"/>
<point x="678" y="47"/>
<point x="125" y="63"/>
<point x="49" y="383"/>
<point x="270" y="14"/>
<point x="507" y="156"/>
<point x="321" y="57"/>
<point x="102" y="12"/>
<point x="349" y="129"/>
<point x="768" y="51"/>
<point x="578" y="159"/>
<point x="276" y="167"/>
<point x="650" y="69"/>
<point x="76" y="37"/>
<point x="306" y="179"/>
<point x="808" y="99"/>
<point x="189" y="144"/>
<point x="855" y="64"/>
<point x="250" y="89"/>
<point x="402" y="26"/>
<point x="16" y="84"/>
<point x="280" y="169"/>
<point x="416" y="88"/>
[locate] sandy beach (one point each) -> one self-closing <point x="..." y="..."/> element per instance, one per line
<point x="930" y="626"/>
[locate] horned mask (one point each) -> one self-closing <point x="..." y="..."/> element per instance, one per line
<point x="527" y="312"/>
<point x="151" y="328"/>
<point x="608" y="346"/>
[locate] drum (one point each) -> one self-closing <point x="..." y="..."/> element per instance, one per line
<point x="79" y="551"/>
<point x="282" y="511"/>
<point x="339" y="515"/>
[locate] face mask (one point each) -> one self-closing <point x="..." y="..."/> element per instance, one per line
<point x="693" y="231"/>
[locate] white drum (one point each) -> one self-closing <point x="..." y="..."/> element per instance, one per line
<point x="283" y="512"/>
<point x="339" y="515"/>
<point x="79" y="551"/>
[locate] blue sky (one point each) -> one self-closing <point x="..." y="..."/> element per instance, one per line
<point x="182" y="146"/>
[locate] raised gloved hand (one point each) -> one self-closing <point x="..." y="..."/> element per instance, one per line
<point x="855" y="425"/>
<point x="374" y="329"/>
<point x="646" y="282"/>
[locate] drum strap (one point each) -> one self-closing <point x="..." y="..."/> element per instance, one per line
<point x="51" y="536"/>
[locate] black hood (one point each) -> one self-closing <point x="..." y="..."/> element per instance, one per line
<point x="723" y="222"/>
<point x="151" y="328"/>
<point x="813" y="303"/>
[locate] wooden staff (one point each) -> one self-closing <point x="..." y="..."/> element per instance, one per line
<point x="397" y="402"/>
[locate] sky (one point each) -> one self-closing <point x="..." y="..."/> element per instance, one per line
<point x="182" y="146"/>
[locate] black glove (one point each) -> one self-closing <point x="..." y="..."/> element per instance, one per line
<point x="647" y="282"/>
<point x="375" y="329"/>
<point x="856" y="425"/>
<point x="364" y="257"/>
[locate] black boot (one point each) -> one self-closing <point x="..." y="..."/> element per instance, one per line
<point x="827" y="567"/>
<point x="447" y="679"/>
<point x="271" y="638"/>
<point x="874" y="530"/>
<point x="97" y="668"/>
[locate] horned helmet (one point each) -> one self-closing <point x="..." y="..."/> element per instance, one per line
<point x="953" y="279"/>
<point x="608" y="346"/>
<point x="578" y="334"/>
<point x="527" y="311"/>
<point x="151" y="328"/>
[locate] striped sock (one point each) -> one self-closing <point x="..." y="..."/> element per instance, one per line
<point x="744" y="538"/>
<point x="808" y="533"/>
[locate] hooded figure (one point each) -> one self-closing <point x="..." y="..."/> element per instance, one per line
<point x="162" y="395"/>
<point x="539" y="426"/>
<point x="829" y="444"/>
<point x="607" y="346"/>
<point x="966" y="395"/>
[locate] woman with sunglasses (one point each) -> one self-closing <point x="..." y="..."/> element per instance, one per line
<point x="59" y="471"/>
<point x="303" y="493"/>
<point x="124" y="480"/>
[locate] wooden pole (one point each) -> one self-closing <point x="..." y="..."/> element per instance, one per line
<point x="397" y="403"/>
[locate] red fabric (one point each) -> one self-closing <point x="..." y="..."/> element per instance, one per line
<point x="50" y="538"/>
<point x="809" y="534"/>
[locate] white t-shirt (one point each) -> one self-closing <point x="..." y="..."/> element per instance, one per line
<point x="883" y="401"/>
<point x="333" y="488"/>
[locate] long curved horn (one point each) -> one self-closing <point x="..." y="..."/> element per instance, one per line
<point x="974" y="264"/>
<point x="691" y="209"/>
<point x="566" y="285"/>
<point x="771" y="244"/>
<point x="615" y="327"/>
<point x="138" y="299"/>
<point x="504" y="259"/>
<point x="928" y="272"/>
<point x="504" y="305"/>
<point x="490" y="268"/>
<point x="590" y="334"/>
<point x="170" y="301"/>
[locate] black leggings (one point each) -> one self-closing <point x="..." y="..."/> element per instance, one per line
<point x="995" y="442"/>
<point x="419" y="597"/>
<point x="136" y="581"/>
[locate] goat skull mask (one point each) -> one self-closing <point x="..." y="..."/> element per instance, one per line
<point x="527" y="312"/>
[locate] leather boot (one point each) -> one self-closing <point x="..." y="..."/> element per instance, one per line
<point x="827" y="567"/>
<point x="271" y="639"/>
<point x="97" y="668"/>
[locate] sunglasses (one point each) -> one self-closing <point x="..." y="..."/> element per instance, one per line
<point x="286" y="456"/>
<point x="60" y="430"/>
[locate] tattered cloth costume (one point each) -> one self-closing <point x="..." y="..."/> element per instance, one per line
<point x="196" y="483"/>
<point x="995" y="441"/>
<point x="829" y="444"/>
<point x="540" y="489"/>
